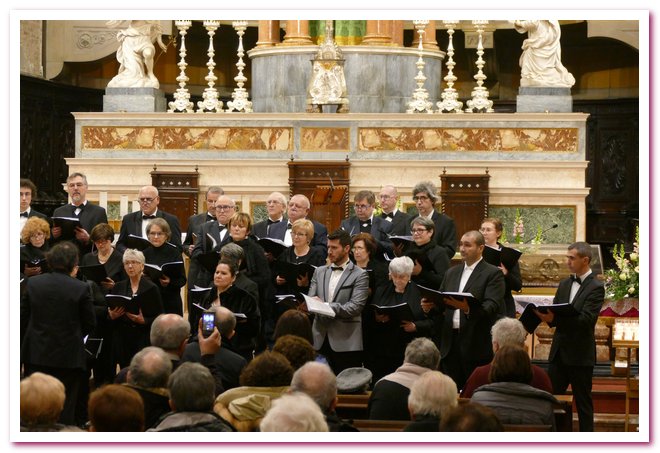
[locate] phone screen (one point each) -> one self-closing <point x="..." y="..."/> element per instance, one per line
<point x="208" y="323"/>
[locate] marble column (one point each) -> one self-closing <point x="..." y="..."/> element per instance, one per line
<point x="397" y="33"/>
<point x="379" y="33"/>
<point x="430" y="42"/>
<point x="297" y="33"/>
<point x="269" y="33"/>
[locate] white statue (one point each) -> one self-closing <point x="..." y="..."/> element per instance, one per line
<point x="136" y="53"/>
<point x="540" y="62"/>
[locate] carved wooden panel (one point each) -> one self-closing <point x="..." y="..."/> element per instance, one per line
<point x="465" y="199"/>
<point x="178" y="193"/>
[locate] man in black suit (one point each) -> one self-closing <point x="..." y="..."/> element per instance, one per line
<point x="229" y="364"/>
<point x="135" y="223"/>
<point x="298" y="208"/>
<point x="399" y="220"/>
<point x="28" y="191"/>
<point x="365" y="222"/>
<point x="465" y="341"/>
<point x="573" y="351"/>
<point x="89" y="214"/>
<point x="425" y="197"/>
<point x="275" y="226"/>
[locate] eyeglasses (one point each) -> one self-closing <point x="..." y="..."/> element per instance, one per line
<point x="146" y="200"/>
<point x="156" y="233"/>
<point x="362" y="206"/>
<point x="223" y="207"/>
<point x="37" y="234"/>
<point x="272" y="202"/>
<point x="418" y="230"/>
<point x="298" y="234"/>
<point x="420" y="198"/>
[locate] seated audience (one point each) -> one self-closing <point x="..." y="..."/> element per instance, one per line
<point x="115" y="408"/>
<point x="506" y="331"/>
<point x="42" y="401"/>
<point x="294" y="413"/>
<point x="192" y="392"/>
<point x="298" y="351"/>
<point x="264" y="379"/>
<point x="319" y="382"/>
<point x="470" y="417"/>
<point x="432" y="395"/>
<point x="389" y="398"/>
<point x="509" y="394"/>
<point x="148" y="374"/>
<point x="294" y="322"/>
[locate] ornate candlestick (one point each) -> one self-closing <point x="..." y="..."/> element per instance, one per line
<point x="240" y="95"/>
<point x="449" y="95"/>
<point x="480" y="101"/>
<point x="181" y="101"/>
<point x="420" y="98"/>
<point x="211" y="102"/>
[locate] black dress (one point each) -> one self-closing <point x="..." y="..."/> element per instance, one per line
<point x="247" y="326"/>
<point x="434" y="261"/>
<point x="512" y="282"/>
<point x="170" y="294"/>
<point x="31" y="254"/>
<point x="313" y="257"/>
<point x="114" y="266"/>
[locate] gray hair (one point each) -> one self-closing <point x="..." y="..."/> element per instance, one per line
<point x="401" y="265"/>
<point x="150" y="368"/>
<point x="192" y="388"/>
<point x="583" y="249"/>
<point x="294" y="413"/>
<point x="317" y="381"/>
<point x="280" y="198"/>
<point x="133" y="255"/>
<point x="232" y="251"/>
<point x="422" y="352"/>
<point x="215" y="189"/>
<point x="508" y="331"/>
<point x="77" y="175"/>
<point x="433" y="393"/>
<point x="428" y="188"/>
<point x="424" y="222"/>
<point x="168" y="331"/>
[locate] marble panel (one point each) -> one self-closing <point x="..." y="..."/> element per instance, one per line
<point x="539" y="216"/>
<point x="324" y="139"/>
<point x="259" y="212"/>
<point x="113" y="210"/>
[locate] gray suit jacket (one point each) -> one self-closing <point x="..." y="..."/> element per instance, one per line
<point x="344" y="331"/>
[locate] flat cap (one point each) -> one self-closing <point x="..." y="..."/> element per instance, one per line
<point x="353" y="380"/>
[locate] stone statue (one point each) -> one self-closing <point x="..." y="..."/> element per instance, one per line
<point x="327" y="84"/>
<point x="540" y="62"/>
<point x="136" y="53"/>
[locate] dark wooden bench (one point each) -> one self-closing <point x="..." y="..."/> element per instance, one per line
<point x="380" y="425"/>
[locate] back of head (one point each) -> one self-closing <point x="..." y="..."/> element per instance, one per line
<point x="63" y="257"/>
<point x="42" y="399"/>
<point x="192" y="388"/>
<point x="297" y="350"/>
<point x="470" y="417"/>
<point x="268" y="369"/>
<point x="150" y="368"/>
<point x="232" y="252"/>
<point x="294" y="322"/>
<point x="422" y="352"/>
<point x="316" y="380"/>
<point x="115" y="407"/>
<point x="432" y="394"/>
<point x="508" y="331"/>
<point x="225" y="320"/>
<point x="511" y="364"/>
<point x="294" y="413"/>
<point x="169" y="331"/>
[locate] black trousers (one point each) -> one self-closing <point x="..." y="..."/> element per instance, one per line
<point x="339" y="361"/>
<point x="456" y="365"/>
<point x="580" y="379"/>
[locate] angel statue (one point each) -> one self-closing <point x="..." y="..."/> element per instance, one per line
<point x="136" y="53"/>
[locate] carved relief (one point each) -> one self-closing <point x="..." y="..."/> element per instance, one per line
<point x="87" y="38"/>
<point x="614" y="168"/>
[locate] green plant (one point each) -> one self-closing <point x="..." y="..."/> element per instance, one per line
<point x="623" y="281"/>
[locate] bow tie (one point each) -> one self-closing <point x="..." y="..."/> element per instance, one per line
<point x="270" y="222"/>
<point x="24" y="214"/>
<point x="576" y="279"/>
<point x="81" y="207"/>
<point x="366" y="223"/>
<point x="221" y="227"/>
<point x="288" y="226"/>
<point x="386" y="216"/>
<point x="337" y="268"/>
<point x="209" y="217"/>
<point x="144" y="216"/>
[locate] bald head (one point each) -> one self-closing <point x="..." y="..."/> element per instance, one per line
<point x="149" y="199"/>
<point x="388" y="196"/>
<point x="298" y="207"/>
<point x="318" y="381"/>
<point x="170" y="333"/>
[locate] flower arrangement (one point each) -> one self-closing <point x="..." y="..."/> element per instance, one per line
<point x="624" y="280"/>
<point x="518" y="228"/>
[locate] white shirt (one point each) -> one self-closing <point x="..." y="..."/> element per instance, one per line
<point x="334" y="279"/>
<point x="145" y="222"/>
<point x="24" y="219"/>
<point x="465" y="276"/>
<point x="575" y="287"/>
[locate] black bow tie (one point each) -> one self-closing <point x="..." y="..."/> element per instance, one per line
<point x="288" y="226"/>
<point x="270" y="222"/>
<point x="24" y="214"/>
<point x="386" y="216"/>
<point x="337" y="268"/>
<point x="209" y="217"/>
<point x="221" y="227"/>
<point x="145" y="217"/>
<point x="366" y="223"/>
<point x="576" y="279"/>
<point x="81" y="207"/>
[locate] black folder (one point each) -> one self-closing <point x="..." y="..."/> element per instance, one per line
<point x="94" y="272"/>
<point x="398" y="313"/>
<point x="291" y="271"/>
<point x="68" y="226"/>
<point x="506" y="255"/>
<point x="438" y="297"/>
<point x="173" y="270"/>
<point x="209" y="260"/>
<point x="273" y="246"/>
<point x="137" y="242"/>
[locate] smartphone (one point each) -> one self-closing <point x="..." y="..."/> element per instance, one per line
<point x="208" y="323"/>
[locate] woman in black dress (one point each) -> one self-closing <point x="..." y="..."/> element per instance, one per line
<point x="161" y="252"/>
<point x="431" y="261"/>
<point x="102" y="236"/>
<point x="131" y="327"/>
<point x="34" y="245"/>
<point x="491" y="228"/>
<point x="363" y="249"/>
<point x="248" y="319"/>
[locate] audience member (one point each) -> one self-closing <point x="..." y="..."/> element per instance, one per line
<point x="319" y="382"/>
<point x="389" y="398"/>
<point x="294" y="413"/>
<point x="431" y="396"/>
<point x="470" y="417"/>
<point x="509" y="394"/>
<point x="192" y="392"/>
<point x="115" y="408"/>
<point x="506" y="332"/>
<point x="42" y="401"/>
<point x="298" y="351"/>
<point x="294" y="322"/>
<point x="148" y="374"/>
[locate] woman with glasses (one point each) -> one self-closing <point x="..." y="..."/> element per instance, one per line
<point x="102" y="236"/>
<point x="162" y="252"/>
<point x="363" y="251"/>
<point x="34" y="245"/>
<point x="431" y="261"/>
<point x="302" y="232"/>
<point x="491" y="228"/>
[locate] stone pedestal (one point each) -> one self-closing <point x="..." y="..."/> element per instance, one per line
<point x="544" y="100"/>
<point x="134" y="100"/>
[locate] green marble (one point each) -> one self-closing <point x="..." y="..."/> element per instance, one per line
<point x="543" y="216"/>
<point x="259" y="212"/>
<point x="113" y="210"/>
